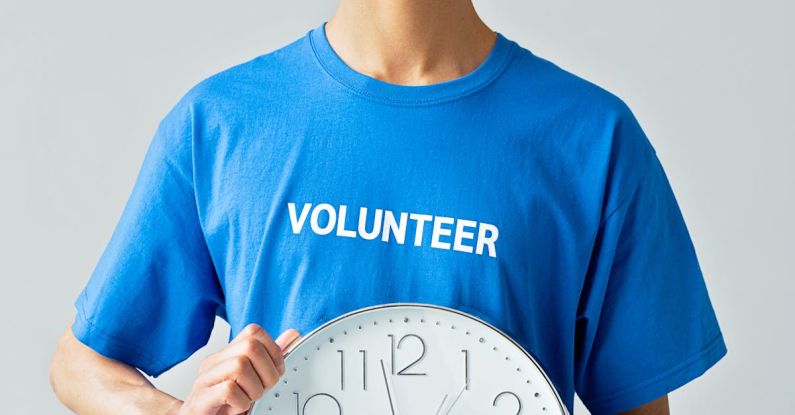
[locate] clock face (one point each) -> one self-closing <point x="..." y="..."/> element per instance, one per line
<point x="409" y="359"/>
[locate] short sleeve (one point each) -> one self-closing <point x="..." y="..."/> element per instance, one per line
<point x="646" y="325"/>
<point x="152" y="298"/>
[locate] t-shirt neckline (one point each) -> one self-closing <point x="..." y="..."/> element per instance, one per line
<point x="387" y="92"/>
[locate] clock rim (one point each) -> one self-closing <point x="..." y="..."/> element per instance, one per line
<point x="362" y="310"/>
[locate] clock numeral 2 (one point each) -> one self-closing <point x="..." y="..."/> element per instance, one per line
<point x="395" y="347"/>
<point x="501" y="394"/>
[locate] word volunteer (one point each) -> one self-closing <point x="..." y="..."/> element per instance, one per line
<point x="446" y="233"/>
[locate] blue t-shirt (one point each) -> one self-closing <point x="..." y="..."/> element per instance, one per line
<point x="290" y="189"/>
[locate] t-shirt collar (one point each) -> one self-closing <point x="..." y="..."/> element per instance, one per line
<point x="377" y="89"/>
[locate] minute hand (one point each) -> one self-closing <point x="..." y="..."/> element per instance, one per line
<point x="388" y="389"/>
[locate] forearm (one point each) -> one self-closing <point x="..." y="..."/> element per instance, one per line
<point x="89" y="384"/>
<point x="121" y="398"/>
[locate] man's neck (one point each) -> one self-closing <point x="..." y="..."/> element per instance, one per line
<point x="410" y="42"/>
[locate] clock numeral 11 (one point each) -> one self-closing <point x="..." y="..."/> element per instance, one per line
<point x="342" y="369"/>
<point x="466" y="368"/>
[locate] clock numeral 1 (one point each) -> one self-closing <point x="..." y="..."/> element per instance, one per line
<point x="392" y="349"/>
<point x="466" y="367"/>
<point x="342" y="369"/>
<point x="364" y="369"/>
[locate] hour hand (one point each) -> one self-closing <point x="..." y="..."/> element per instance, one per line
<point x="441" y="405"/>
<point x="452" y="404"/>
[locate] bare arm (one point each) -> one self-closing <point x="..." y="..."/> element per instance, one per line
<point x="227" y="383"/>
<point x="657" y="407"/>
<point x="89" y="383"/>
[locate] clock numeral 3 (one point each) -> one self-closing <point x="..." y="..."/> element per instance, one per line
<point x="395" y="347"/>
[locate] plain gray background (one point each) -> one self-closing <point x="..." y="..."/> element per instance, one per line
<point x="83" y="85"/>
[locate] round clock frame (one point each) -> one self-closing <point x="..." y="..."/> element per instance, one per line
<point x="509" y="380"/>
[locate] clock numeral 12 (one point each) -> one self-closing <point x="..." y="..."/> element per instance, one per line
<point x="395" y="347"/>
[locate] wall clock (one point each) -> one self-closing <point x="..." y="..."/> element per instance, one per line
<point x="409" y="359"/>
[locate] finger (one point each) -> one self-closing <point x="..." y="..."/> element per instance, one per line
<point x="230" y="411"/>
<point x="258" y="357"/>
<point x="223" y="394"/>
<point x="248" y="331"/>
<point x="252" y="330"/>
<point x="239" y="370"/>
<point x="261" y="361"/>
<point x="227" y="410"/>
<point x="287" y="338"/>
<point x="257" y="332"/>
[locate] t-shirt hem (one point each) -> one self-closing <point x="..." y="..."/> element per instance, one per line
<point x="661" y="384"/>
<point x="114" y="348"/>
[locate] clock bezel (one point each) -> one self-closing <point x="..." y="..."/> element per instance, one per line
<point x="292" y="347"/>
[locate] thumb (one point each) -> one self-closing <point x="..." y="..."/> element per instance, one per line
<point x="287" y="338"/>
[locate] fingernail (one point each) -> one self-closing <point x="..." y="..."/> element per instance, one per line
<point x="287" y="338"/>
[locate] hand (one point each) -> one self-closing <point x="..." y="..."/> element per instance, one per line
<point x="450" y="408"/>
<point x="441" y="405"/>
<point x="230" y="380"/>
<point x="388" y="389"/>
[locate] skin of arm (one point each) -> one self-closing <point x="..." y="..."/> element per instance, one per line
<point x="79" y="375"/>
<point x="227" y="383"/>
<point x="656" y="407"/>
<point x="89" y="383"/>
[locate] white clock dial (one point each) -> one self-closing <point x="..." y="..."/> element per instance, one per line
<point x="409" y="359"/>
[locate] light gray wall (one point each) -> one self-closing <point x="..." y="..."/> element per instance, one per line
<point x="83" y="85"/>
